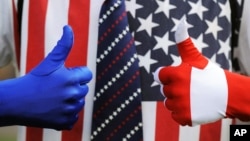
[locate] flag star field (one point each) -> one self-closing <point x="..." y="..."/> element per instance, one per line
<point x="153" y="24"/>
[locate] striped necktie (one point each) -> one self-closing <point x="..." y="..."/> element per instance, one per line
<point x="117" y="101"/>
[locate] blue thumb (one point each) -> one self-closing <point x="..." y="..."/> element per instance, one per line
<point x="56" y="58"/>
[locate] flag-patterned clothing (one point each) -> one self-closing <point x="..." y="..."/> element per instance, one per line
<point x="153" y="24"/>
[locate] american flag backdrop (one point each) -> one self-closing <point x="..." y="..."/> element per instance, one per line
<point x="152" y="23"/>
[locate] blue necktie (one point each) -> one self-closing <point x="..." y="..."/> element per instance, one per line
<point x="117" y="102"/>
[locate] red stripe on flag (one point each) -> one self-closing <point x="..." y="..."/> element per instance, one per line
<point x="35" y="48"/>
<point x="79" y="21"/>
<point x="34" y="134"/>
<point x="211" y="131"/>
<point x="36" y="28"/>
<point x="166" y="128"/>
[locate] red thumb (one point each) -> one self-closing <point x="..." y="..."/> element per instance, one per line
<point x="188" y="52"/>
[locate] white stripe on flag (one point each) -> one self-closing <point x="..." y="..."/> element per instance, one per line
<point x="56" y="18"/>
<point x="225" y="125"/>
<point x="95" y="7"/>
<point x="188" y="133"/>
<point x="149" y="120"/>
<point x="51" y="135"/>
<point x="21" y="132"/>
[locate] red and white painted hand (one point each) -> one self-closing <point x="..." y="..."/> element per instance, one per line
<point x="198" y="91"/>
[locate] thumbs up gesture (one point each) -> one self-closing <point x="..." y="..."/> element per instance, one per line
<point x="198" y="91"/>
<point x="50" y="96"/>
